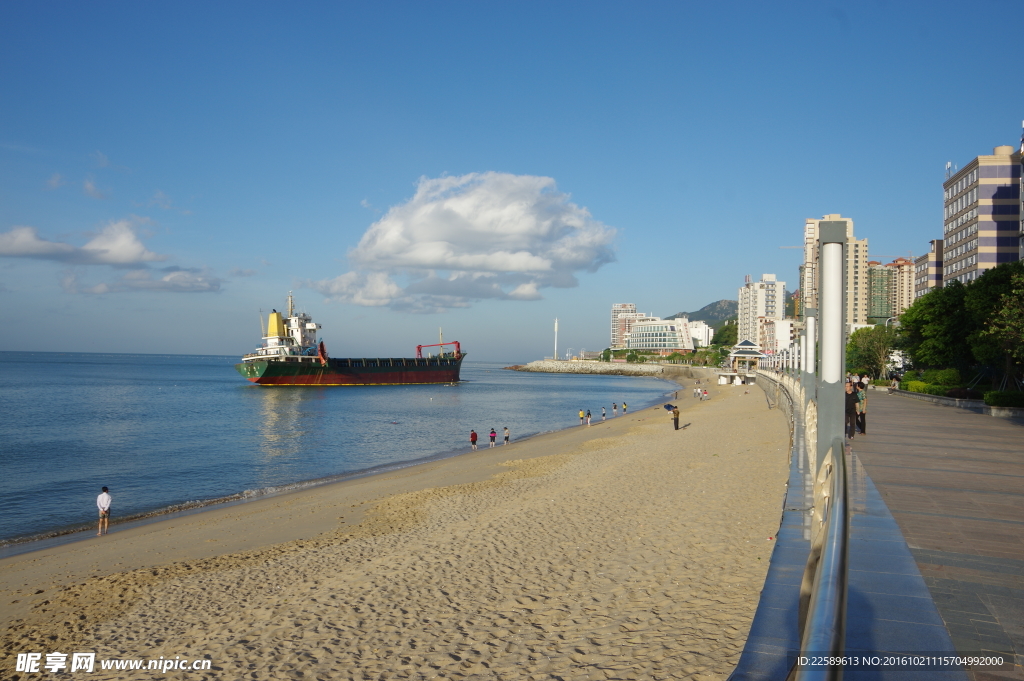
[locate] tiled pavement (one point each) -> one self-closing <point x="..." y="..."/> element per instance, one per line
<point x="954" y="482"/>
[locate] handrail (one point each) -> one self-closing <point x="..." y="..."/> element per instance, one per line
<point x="824" y="630"/>
<point x="822" y="598"/>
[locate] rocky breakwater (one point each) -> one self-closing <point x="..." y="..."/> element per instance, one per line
<point x="612" y="368"/>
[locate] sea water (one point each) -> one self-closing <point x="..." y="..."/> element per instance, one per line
<point x="167" y="432"/>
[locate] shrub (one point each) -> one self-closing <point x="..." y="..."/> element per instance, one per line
<point x="996" y="398"/>
<point x="913" y="386"/>
<point x="941" y="377"/>
<point x="932" y="389"/>
<point x="965" y="393"/>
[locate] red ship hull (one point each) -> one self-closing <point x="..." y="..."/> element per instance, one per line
<point x="362" y="371"/>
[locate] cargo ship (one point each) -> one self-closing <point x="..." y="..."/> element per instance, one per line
<point x="291" y="355"/>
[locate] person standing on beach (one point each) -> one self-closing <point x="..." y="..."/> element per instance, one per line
<point x="506" y="434"/>
<point x="582" y="417"/>
<point x="675" y="417"/>
<point x="615" y="409"/>
<point x="604" y="414"/>
<point x="472" y="439"/>
<point x="588" y="417"/>
<point x="493" y="435"/>
<point x="103" y="503"/>
<point x="624" y="408"/>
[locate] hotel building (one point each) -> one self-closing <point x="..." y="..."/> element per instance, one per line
<point x="623" y="317"/>
<point x="982" y="215"/>
<point x="663" y="336"/>
<point x="765" y="298"/>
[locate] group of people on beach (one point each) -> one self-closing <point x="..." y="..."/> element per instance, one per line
<point x="585" y="417"/>
<point x="493" y="435"/>
<point x="698" y="392"/>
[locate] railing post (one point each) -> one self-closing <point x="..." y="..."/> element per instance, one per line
<point x="831" y="286"/>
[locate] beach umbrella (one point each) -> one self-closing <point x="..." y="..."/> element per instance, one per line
<point x="669" y="407"/>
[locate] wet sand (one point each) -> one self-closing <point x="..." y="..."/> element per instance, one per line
<point x="623" y="550"/>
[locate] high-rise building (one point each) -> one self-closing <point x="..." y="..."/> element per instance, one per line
<point x="901" y="287"/>
<point x="623" y="316"/>
<point x="928" y="270"/>
<point x="856" y="270"/>
<point x="765" y="298"/>
<point x="981" y="217"/>
<point x="879" y="292"/>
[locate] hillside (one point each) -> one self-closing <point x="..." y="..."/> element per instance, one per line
<point x="714" y="313"/>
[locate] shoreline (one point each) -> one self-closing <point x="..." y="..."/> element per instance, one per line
<point x="616" y="546"/>
<point x="21" y="545"/>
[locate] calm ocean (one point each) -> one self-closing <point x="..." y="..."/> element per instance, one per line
<point x="162" y="431"/>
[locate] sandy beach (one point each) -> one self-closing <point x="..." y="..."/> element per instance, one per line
<point x="624" y="550"/>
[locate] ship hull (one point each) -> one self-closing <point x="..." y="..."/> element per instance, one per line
<point x="371" y="371"/>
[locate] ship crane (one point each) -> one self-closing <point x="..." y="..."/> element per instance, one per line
<point x="458" y="348"/>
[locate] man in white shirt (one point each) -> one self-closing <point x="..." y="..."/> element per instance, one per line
<point x="103" y="503"/>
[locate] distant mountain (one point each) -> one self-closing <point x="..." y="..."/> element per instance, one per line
<point x="715" y="314"/>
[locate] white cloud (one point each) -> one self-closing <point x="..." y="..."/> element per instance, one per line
<point x="161" y="200"/>
<point x="169" y="279"/>
<point x="239" y="272"/>
<point x="90" y="188"/>
<point x="117" y="245"/>
<point x="56" y="180"/>
<point x="476" y="236"/>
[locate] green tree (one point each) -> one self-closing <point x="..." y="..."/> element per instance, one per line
<point x="870" y="348"/>
<point x="726" y="335"/>
<point x="606" y="356"/>
<point x="1008" y="321"/>
<point x="985" y="299"/>
<point x="934" y="330"/>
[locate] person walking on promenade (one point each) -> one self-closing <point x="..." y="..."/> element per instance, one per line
<point x="506" y="434"/>
<point x="588" y="417"/>
<point x="604" y="414"/>
<point x="862" y="408"/>
<point x="675" y="417"/>
<point x="472" y="439"/>
<point x="582" y="417"/>
<point x="615" y="409"/>
<point x="493" y="435"/>
<point x="103" y="503"/>
<point x="851" y="411"/>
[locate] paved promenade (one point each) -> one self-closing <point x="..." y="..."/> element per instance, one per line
<point x="954" y="481"/>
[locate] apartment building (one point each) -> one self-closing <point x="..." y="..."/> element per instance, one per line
<point x="928" y="269"/>
<point x="982" y="215"/>
<point x="857" y="294"/>
<point x="901" y="287"/>
<point x="765" y="298"/>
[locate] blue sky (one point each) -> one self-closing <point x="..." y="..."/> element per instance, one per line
<point x="169" y="169"/>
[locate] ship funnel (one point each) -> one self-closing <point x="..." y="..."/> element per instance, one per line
<point x="275" y="327"/>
